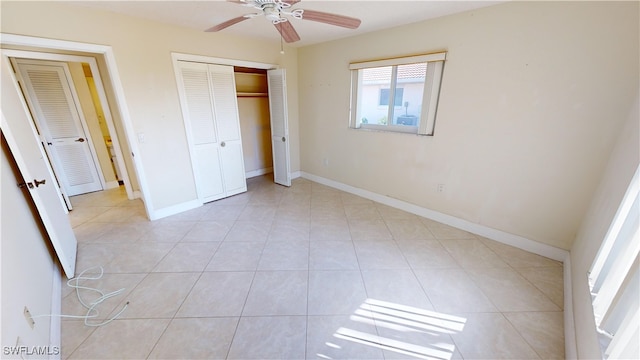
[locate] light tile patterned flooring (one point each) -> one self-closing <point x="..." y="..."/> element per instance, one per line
<point x="305" y="272"/>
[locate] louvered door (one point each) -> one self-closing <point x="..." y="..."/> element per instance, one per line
<point x="225" y="104"/>
<point x="211" y="118"/>
<point x="51" y="100"/>
<point x="279" y="127"/>
<point x="200" y="122"/>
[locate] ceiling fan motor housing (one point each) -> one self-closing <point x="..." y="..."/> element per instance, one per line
<point x="271" y="12"/>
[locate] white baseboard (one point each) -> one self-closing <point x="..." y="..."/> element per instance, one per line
<point x="296" y="174"/>
<point x="175" y="209"/>
<point x="485" y="231"/>
<point x="570" y="344"/>
<point x="137" y="194"/>
<point x="259" y="172"/>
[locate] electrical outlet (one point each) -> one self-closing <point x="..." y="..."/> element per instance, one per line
<point x="440" y="188"/>
<point x="27" y="316"/>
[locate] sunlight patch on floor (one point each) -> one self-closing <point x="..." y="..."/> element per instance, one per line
<point x="432" y="325"/>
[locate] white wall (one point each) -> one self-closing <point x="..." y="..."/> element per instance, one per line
<point x="532" y="98"/>
<point x="616" y="177"/>
<point x="142" y="51"/>
<point x="27" y="273"/>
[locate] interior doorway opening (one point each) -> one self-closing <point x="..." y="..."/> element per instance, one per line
<point x="255" y="121"/>
<point x="101" y="63"/>
<point x="103" y="130"/>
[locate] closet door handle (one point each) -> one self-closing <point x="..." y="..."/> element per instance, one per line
<point x="39" y="182"/>
<point x="80" y="140"/>
<point x="223" y="144"/>
<point x="283" y="139"/>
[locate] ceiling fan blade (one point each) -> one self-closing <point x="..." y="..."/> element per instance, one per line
<point x="237" y="2"/>
<point x="332" y="19"/>
<point x="226" y="24"/>
<point x="291" y="2"/>
<point x="287" y="31"/>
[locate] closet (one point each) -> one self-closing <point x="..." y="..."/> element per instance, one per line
<point x="236" y="123"/>
<point x="210" y="107"/>
<point x="253" y="106"/>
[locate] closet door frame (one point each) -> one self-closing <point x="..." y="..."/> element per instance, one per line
<point x="177" y="57"/>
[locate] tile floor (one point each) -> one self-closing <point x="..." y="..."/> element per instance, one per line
<point x="305" y="272"/>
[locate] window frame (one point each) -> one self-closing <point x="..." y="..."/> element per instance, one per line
<point x="431" y="94"/>
<point x="613" y="279"/>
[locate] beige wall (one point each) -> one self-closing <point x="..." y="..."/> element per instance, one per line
<point x="532" y="98"/>
<point x="91" y="118"/>
<point x="142" y="51"/>
<point x="27" y="264"/>
<point x="256" y="133"/>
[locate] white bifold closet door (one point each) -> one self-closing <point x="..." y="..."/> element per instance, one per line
<point x="210" y="108"/>
<point x="279" y="126"/>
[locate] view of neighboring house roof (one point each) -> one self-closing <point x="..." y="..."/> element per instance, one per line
<point x="409" y="71"/>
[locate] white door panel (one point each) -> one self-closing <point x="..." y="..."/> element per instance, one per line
<point x="280" y="151"/>
<point x="20" y="134"/>
<point x="233" y="167"/>
<point x="209" y="172"/>
<point x="279" y="126"/>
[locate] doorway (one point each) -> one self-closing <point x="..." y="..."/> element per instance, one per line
<point x="253" y="109"/>
<point x="101" y="61"/>
<point x="99" y="133"/>
<point x="54" y="97"/>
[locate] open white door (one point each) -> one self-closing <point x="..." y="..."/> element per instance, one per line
<point x="279" y="126"/>
<point x="50" y="96"/>
<point x="20" y="134"/>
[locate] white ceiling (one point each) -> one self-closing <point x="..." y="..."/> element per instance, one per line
<point x="203" y="14"/>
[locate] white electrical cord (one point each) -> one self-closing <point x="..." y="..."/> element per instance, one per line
<point x="92" y="312"/>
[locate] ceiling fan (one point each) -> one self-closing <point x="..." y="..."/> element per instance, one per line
<point x="277" y="12"/>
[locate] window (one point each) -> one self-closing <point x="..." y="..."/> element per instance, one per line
<point x="385" y="96"/>
<point x="614" y="280"/>
<point x="411" y="84"/>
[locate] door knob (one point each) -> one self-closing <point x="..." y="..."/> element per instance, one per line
<point x="80" y="140"/>
<point x="39" y="182"/>
<point x="283" y="139"/>
<point x="223" y="144"/>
